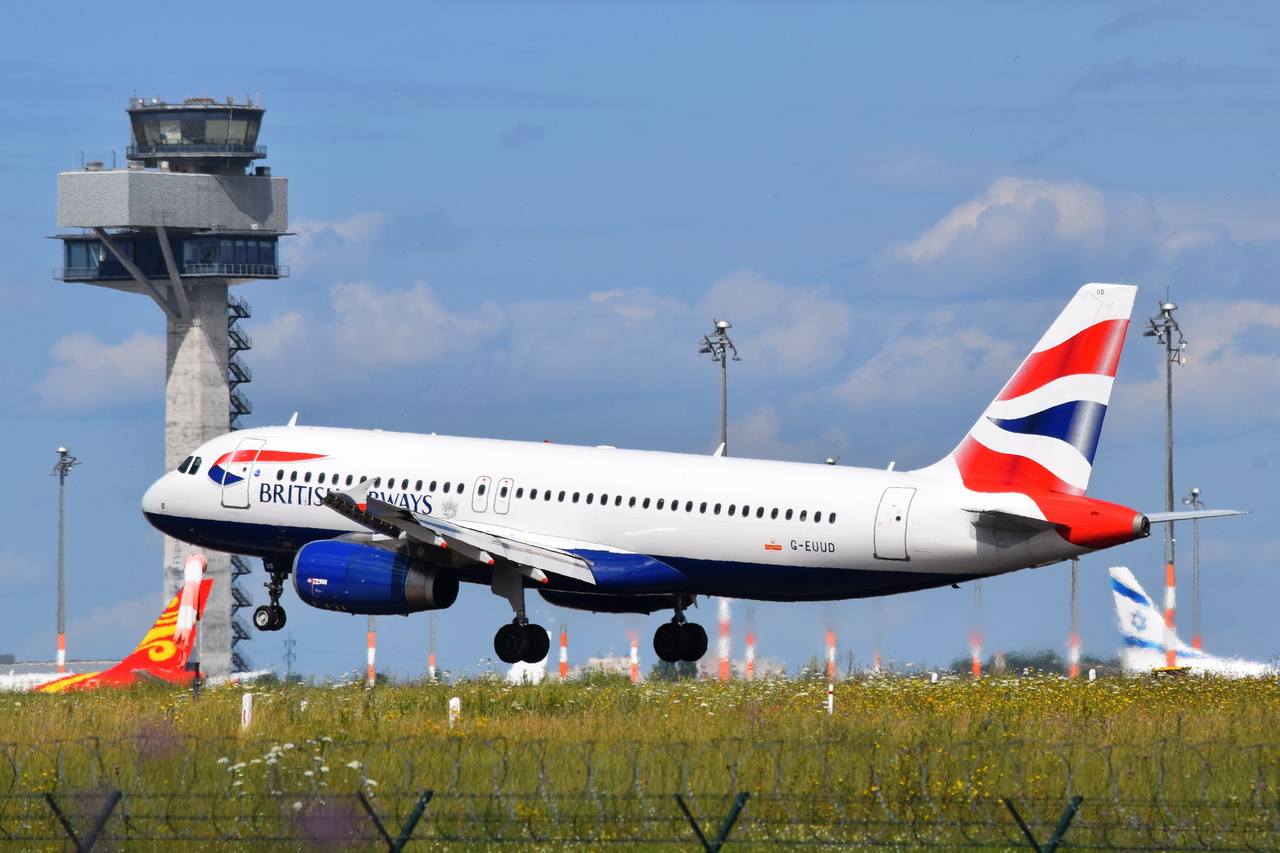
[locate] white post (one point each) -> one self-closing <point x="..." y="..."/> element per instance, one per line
<point x="246" y="711"/>
<point x="455" y="710"/>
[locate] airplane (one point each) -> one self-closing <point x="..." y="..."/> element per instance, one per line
<point x="164" y="650"/>
<point x="1143" y="628"/>
<point x="374" y="522"/>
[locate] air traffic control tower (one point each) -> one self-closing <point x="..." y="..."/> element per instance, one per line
<point x="189" y="217"/>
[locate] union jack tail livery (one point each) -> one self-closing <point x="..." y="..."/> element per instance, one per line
<point x="1041" y="431"/>
<point x="159" y="656"/>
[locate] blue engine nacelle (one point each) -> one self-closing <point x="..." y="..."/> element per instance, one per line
<point x="354" y="578"/>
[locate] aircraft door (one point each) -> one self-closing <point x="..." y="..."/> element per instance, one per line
<point x="890" y="541"/>
<point x="502" y="500"/>
<point x="480" y="494"/>
<point x="237" y="473"/>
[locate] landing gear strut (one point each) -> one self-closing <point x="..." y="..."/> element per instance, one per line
<point x="680" y="639"/>
<point x="521" y="640"/>
<point x="271" y="617"/>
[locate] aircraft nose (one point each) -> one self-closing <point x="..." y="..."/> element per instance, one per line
<point x="154" y="499"/>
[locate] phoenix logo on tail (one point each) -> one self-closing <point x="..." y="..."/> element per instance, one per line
<point x="163" y="652"/>
<point x="1143" y="628"/>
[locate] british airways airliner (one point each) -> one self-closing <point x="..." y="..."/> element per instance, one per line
<point x="389" y="523"/>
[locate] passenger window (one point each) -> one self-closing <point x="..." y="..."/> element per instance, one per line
<point x="746" y="510"/>
<point x="562" y="497"/>
<point x="617" y="500"/>
<point x="590" y="497"/>
<point x="480" y="489"/>
<point x="817" y="518"/>
<point x="632" y="502"/>
<point x="320" y="479"/>
<point x="520" y="492"/>
<point x="417" y="487"/>
<point x="404" y="485"/>
<point x="502" y="493"/>
<point x="702" y="507"/>
<point x="546" y="496"/>
<point x="675" y="506"/>
<point x="788" y="515"/>
<point x="293" y="476"/>
<point x="575" y="497"/>
<point x="716" y="511"/>
<point x="645" y="504"/>
<point x="803" y="514"/>
<point x="731" y="508"/>
<point x="831" y="519"/>
<point x="447" y="485"/>
<point x="604" y="500"/>
<point x="688" y="506"/>
<point x="306" y="478"/>
<point x="186" y="463"/>
<point x="461" y="486"/>
<point x="280" y="474"/>
<point x="774" y="513"/>
<point x="659" y="504"/>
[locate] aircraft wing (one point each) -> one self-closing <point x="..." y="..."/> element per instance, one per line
<point x="484" y="547"/>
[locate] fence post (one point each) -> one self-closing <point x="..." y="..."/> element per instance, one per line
<point x="406" y="831"/>
<point x="92" y="837"/>
<point x="715" y="844"/>
<point x="1060" y="830"/>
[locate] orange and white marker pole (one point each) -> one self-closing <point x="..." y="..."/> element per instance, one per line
<point x="1170" y="605"/>
<point x="751" y="655"/>
<point x="635" y="660"/>
<point x="62" y="652"/>
<point x="975" y="652"/>
<point x="831" y="656"/>
<point x="564" y="653"/>
<point x="722" y="647"/>
<point x="373" y="649"/>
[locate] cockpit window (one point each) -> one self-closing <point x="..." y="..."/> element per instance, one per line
<point x="182" y="469"/>
<point x="195" y="465"/>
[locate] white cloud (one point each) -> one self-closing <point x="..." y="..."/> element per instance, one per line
<point x="405" y="327"/>
<point x="89" y="374"/>
<point x="759" y="436"/>
<point x="788" y="328"/>
<point x="1014" y="210"/>
<point x="339" y="246"/>
<point x="933" y="367"/>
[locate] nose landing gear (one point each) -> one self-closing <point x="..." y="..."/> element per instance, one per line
<point x="271" y="617"/>
<point x="679" y="639"/>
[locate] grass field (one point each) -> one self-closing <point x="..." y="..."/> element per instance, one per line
<point x="898" y="746"/>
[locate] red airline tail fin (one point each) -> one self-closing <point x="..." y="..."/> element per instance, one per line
<point x="157" y="656"/>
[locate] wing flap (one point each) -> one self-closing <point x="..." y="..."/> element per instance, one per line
<point x="481" y="546"/>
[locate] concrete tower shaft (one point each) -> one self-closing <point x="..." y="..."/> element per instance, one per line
<point x="184" y="222"/>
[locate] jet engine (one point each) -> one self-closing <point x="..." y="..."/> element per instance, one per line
<point x="355" y="578"/>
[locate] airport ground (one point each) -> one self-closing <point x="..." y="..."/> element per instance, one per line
<point x="902" y="754"/>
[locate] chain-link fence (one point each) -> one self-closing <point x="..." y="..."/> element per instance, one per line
<point x="438" y="793"/>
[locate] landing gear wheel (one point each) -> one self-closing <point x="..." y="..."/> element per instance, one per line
<point x="695" y="637"/>
<point x="669" y="642"/>
<point x="269" y="617"/>
<point x="539" y="643"/>
<point x="511" y="643"/>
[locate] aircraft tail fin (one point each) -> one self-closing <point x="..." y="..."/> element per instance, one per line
<point x="1041" y="431"/>
<point x="159" y="655"/>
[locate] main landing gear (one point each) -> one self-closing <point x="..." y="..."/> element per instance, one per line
<point x="521" y="640"/>
<point x="270" y="617"/>
<point x="679" y="639"/>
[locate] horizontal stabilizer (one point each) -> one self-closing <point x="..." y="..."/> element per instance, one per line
<point x="1162" y="517"/>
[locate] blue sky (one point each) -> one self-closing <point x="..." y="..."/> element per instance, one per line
<point x="516" y="220"/>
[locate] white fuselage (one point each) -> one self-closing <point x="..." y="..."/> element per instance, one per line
<point x="735" y="527"/>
